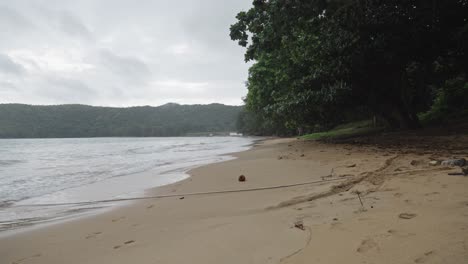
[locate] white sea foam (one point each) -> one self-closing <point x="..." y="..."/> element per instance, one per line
<point x="47" y="171"/>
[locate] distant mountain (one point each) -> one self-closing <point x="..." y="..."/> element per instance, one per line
<point x="62" y="121"/>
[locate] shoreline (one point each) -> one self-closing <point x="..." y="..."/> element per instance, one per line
<point x="182" y="174"/>
<point x="287" y="225"/>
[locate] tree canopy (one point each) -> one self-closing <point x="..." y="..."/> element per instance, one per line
<point x="28" y="121"/>
<point x="318" y="62"/>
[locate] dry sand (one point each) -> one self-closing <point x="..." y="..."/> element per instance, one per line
<point x="412" y="213"/>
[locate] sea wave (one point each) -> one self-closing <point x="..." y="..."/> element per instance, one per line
<point x="77" y="170"/>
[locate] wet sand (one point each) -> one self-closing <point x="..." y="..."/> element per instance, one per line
<point x="411" y="212"/>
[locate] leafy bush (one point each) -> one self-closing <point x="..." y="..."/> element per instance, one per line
<point x="451" y="101"/>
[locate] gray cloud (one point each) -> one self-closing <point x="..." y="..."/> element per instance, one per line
<point x="121" y="52"/>
<point x="124" y="66"/>
<point x="7" y="65"/>
<point x="72" y="25"/>
<point x="13" y="20"/>
<point x="62" y="90"/>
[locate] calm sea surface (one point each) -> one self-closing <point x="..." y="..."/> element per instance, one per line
<point x="48" y="171"/>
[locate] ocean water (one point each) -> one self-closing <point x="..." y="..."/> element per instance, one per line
<point x="51" y="171"/>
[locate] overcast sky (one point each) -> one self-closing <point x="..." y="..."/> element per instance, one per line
<point x="120" y="52"/>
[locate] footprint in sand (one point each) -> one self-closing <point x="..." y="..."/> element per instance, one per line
<point x="425" y="257"/>
<point x="93" y="235"/>
<point x="399" y="234"/>
<point x="366" y="245"/>
<point x="26" y="258"/>
<point x="407" y="215"/>
<point x="118" y="219"/>
<point x="128" y="242"/>
<point x="336" y="225"/>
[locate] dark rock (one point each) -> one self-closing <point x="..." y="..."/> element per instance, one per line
<point x="299" y="225"/>
<point x="465" y="170"/>
<point x="454" y="162"/>
<point x="242" y="178"/>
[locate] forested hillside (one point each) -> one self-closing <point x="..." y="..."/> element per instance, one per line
<point x="319" y="63"/>
<point x="28" y="121"/>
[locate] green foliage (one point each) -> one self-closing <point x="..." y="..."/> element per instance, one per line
<point x="451" y="102"/>
<point x="27" y="121"/>
<point x="316" y="61"/>
<point x="345" y="131"/>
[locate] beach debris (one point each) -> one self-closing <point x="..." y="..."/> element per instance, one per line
<point x="351" y="166"/>
<point x="129" y="242"/>
<point x="302" y="155"/>
<point x="406" y="215"/>
<point x="434" y="162"/>
<point x="454" y="162"/>
<point x="359" y="196"/>
<point x="181" y="198"/>
<point x="242" y="178"/>
<point x="280" y="157"/>
<point x="464" y="172"/>
<point x="335" y="219"/>
<point x="299" y="224"/>
<point x="358" y="193"/>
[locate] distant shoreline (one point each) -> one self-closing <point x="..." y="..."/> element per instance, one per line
<point x="83" y="121"/>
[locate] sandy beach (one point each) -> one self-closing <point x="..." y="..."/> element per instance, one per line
<point x="357" y="204"/>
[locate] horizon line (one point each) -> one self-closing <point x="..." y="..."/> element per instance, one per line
<point x="110" y="106"/>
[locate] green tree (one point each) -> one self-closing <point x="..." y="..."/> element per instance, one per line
<point x="28" y="121"/>
<point x="317" y="60"/>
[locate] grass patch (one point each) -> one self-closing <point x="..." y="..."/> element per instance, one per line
<point x="345" y="131"/>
